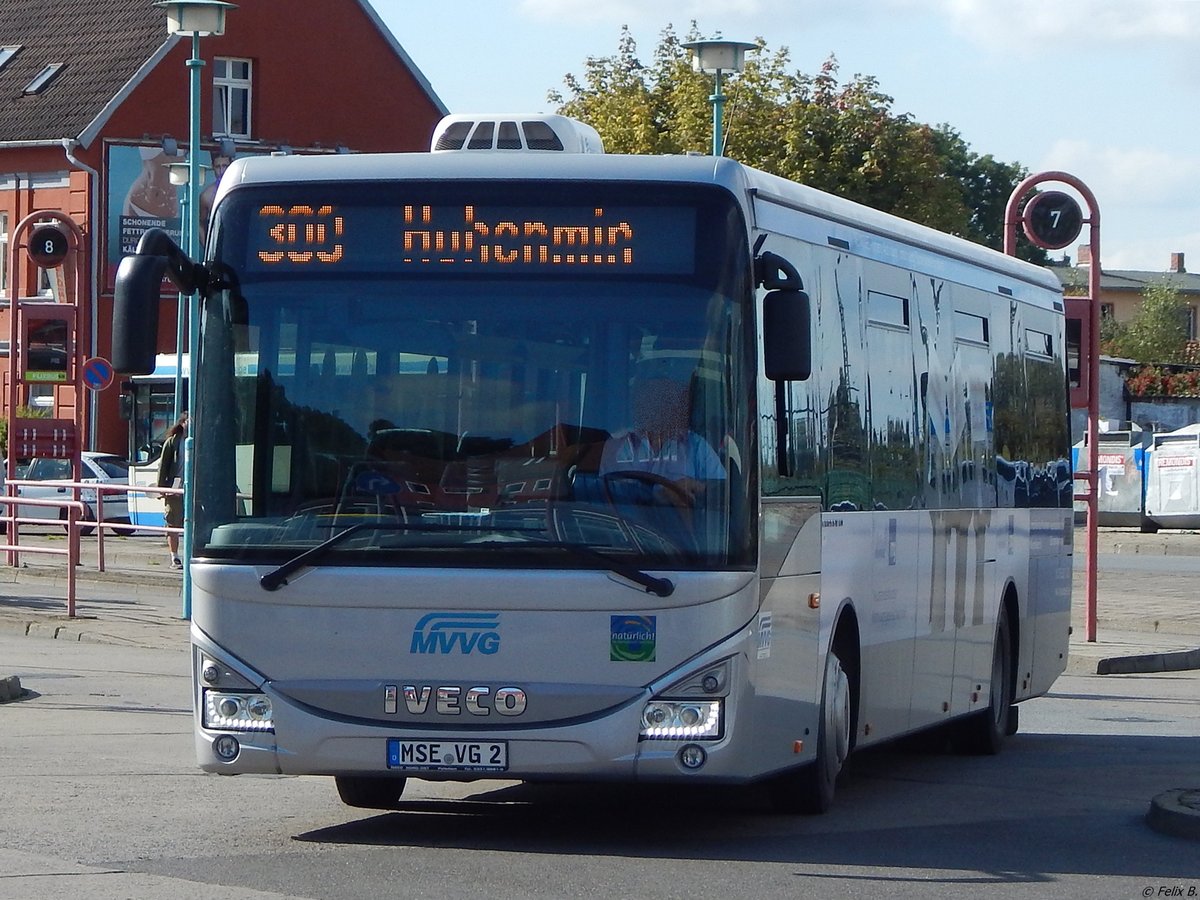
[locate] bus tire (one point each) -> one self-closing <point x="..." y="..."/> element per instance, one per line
<point x="369" y="791"/>
<point x="810" y="789"/>
<point x="983" y="733"/>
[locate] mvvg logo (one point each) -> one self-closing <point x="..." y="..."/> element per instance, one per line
<point x="443" y="632"/>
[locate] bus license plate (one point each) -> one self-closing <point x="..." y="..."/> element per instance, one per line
<point x="464" y="756"/>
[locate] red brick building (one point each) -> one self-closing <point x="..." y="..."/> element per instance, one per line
<point x="94" y="99"/>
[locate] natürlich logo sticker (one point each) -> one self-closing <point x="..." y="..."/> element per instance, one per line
<point x="632" y="639"/>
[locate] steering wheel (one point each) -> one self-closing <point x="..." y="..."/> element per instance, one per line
<point x="679" y="497"/>
<point x="683" y="540"/>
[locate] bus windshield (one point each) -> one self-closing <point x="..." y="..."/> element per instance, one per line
<point x="468" y="377"/>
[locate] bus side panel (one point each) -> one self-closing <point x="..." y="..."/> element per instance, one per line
<point x="786" y="663"/>
<point x="868" y="569"/>
<point x="932" y="423"/>
<point x="1049" y="606"/>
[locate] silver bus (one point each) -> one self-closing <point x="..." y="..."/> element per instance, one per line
<point x="554" y="465"/>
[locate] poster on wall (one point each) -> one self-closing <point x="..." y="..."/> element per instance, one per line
<point x="141" y="196"/>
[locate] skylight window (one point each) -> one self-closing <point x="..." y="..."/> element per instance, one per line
<point x="44" y="77"/>
<point x="7" y="53"/>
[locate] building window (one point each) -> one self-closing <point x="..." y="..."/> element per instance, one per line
<point x="41" y="396"/>
<point x="8" y="52"/>
<point x="231" y="97"/>
<point x="45" y="283"/>
<point x="1107" y="311"/>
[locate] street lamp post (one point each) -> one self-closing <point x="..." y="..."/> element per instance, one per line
<point x="179" y="176"/>
<point x="194" y="19"/>
<point x="717" y="57"/>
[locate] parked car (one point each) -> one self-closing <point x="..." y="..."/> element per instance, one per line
<point x="103" y="468"/>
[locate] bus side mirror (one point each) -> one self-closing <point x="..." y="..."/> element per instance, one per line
<point x="136" y="298"/>
<point x="787" y="337"/>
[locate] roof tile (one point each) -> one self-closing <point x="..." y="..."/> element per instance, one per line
<point x="102" y="43"/>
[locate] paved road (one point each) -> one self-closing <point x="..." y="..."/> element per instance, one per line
<point x="101" y="799"/>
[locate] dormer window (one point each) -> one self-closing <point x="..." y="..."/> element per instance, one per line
<point x="43" y="78"/>
<point x="8" y="52"/>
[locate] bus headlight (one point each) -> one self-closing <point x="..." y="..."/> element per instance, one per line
<point x="666" y="720"/>
<point x="238" y="712"/>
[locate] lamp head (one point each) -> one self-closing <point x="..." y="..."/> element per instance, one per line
<point x="196" y="18"/>
<point x="718" y="55"/>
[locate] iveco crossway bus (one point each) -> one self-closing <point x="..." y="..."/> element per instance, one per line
<point x="519" y="460"/>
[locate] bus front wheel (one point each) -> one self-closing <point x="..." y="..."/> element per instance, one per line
<point x="811" y="788"/>
<point x="368" y="791"/>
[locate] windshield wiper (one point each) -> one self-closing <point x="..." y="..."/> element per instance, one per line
<point x="277" y="578"/>
<point x="663" y="587"/>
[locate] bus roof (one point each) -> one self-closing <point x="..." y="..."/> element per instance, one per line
<point x="746" y="183"/>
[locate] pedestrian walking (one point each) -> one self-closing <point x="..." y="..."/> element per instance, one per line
<point x="170" y="474"/>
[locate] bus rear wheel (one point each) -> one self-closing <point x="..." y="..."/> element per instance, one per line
<point x="369" y="791"/>
<point x="810" y="789"/>
<point x="983" y="733"/>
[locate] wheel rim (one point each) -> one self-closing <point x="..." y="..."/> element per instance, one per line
<point x="836" y="717"/>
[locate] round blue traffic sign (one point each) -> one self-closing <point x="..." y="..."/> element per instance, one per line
<point x="97" y="373"/>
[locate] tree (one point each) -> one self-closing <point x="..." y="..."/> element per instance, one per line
<point x="840" y="137"/>
<point x="986" y="184"/>
<point x="1158" y="333"/>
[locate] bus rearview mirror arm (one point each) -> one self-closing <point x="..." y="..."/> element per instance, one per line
<point x="137" y="295"/>
<point x="186" y="275"/>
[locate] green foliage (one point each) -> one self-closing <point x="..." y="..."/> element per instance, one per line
<point x="1112" y="333"/>
<point x="839" y="136"/>
<point x="1157" y="334"/>
<point x="987" y="185"/>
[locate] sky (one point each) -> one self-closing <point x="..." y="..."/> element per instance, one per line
<point x="1105" y="90"/>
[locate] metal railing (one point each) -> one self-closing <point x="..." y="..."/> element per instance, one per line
<point x="76" y="510"/>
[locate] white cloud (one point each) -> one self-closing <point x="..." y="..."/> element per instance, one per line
<point x="749" y="16"/>
<point x="1135" y="175"/>
<point x="1027" y="26"/>
<point x="1148" y="199"/>
<point x="631" y="12"/>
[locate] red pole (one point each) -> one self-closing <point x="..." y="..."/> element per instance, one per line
<point x="1092" y="351"/>
<point x="1093" y="426"/>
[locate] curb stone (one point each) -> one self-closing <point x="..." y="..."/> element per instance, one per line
<point x="1181" y="661"/>
<point x="1176" y="812"/>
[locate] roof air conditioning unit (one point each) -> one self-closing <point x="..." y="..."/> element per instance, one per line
<point x="537" y="133"/>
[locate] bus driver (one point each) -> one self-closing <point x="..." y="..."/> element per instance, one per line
<point x="660" y="442"/>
